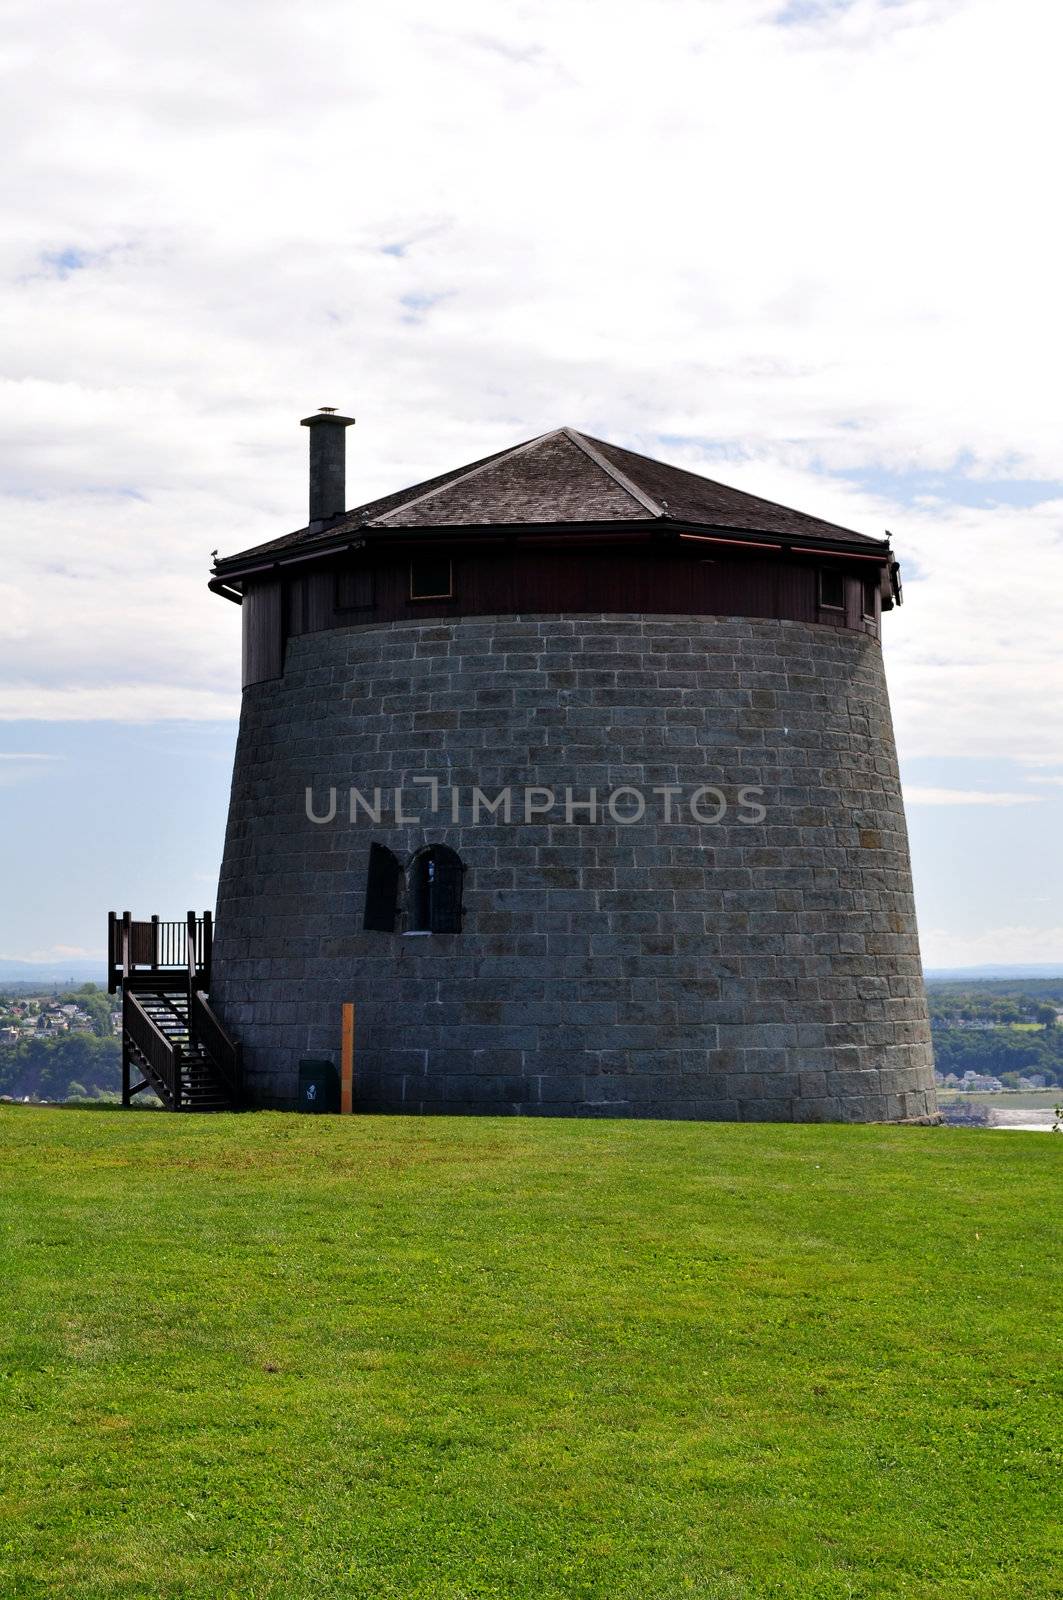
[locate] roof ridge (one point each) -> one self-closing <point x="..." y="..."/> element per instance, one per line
<point x="731" y="488"/>
<point x="463" y="477"/>
<point x="618" y="477"/>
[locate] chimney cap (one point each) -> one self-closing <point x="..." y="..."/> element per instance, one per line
<point x="326" y="414"/>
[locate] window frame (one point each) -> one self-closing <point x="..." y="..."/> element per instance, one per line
<point x="869" y="586"/>
<point x="415" y="599"/>
<point x="831" y="605"/>
<point x="420" y="901"/>
<point x="338" y="604"/>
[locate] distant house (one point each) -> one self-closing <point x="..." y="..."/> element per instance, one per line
<point x="981" y="1083"/>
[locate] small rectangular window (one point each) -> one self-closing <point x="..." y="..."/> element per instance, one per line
<point x="354" y="589"/>
<point x="870" y="591"/>
<point x="831" y="590"/>
<point x="431" y="578"/>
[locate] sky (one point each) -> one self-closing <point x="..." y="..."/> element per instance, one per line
<point x="811" y="249"/>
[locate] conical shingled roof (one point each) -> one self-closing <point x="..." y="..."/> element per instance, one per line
<point x="558" y="478"/>
<point x="566" y="477"/>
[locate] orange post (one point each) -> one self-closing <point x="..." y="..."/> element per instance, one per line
<point x="347" y="1061"/>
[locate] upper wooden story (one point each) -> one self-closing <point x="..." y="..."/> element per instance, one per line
<point x="563" y="524"/>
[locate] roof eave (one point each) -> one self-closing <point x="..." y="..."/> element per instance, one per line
<point x="230" y="570"/>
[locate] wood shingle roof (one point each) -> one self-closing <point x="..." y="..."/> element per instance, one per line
<point x="564" y="478"/>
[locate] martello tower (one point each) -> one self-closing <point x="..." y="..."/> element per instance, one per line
<point x="696" y="901"/>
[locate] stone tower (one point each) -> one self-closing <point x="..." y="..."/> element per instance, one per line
<point x="575" y="772"/>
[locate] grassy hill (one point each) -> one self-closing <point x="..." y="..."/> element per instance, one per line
<point x="286" y="1357"/>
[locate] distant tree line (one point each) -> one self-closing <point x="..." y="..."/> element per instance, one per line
<point x="998" y="999"/>
<point x="1000" y="1051"/>
<point x="1000" y="1011"/>
<point x="1022" y="1000"/>
<point x="998" y="1048"/>
<point x="66" y="1066"/>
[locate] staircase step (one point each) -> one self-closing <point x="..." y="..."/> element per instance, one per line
<point x="200" y="1085"/>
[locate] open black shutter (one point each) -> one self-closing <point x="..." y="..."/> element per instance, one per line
<point x="381" y="889"/>
<point x="446" y="896"/>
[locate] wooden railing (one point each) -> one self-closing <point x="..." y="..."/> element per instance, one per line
<point x="161" y="1056"/>
<point x="206" y="1029"/>
<point x="157" y="946"/>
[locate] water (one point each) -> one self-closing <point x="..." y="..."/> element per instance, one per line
<point x="1025" y="1121"/>
<point x="1028" y="1113"/>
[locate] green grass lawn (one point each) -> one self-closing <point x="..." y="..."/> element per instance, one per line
<point x="435" y="1359"/>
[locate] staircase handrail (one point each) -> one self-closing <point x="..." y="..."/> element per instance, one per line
<point x="159" y="945"/>
<point x="207" y="1029"/>
<point x="162" y="1055"/>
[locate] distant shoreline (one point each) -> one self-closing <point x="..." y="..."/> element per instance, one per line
<point x="1031" y="1111"/>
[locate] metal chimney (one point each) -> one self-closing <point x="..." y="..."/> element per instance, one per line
<point x="328" y="463"/>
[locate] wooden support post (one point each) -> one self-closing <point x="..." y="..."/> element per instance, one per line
<point x="126" y="1096"/>
<point x="347" y="1061"/>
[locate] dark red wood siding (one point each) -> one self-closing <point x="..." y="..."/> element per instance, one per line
<point x="522" y="579"/>
<point x="263" y="631"/>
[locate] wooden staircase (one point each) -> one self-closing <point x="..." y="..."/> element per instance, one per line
<point x="175" y="1061"/>
<point x="170" y="1035"/>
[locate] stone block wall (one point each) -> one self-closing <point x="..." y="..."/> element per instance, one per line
<point x="673" y="968"/>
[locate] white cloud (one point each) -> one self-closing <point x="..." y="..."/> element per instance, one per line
<point x="918" y="796"/>
<point x="818" y="246"/>
<point x="16" y="765"/>
<point x="116" y="702"/>
<point x="56" y="952"/>
<point x="974" y="659"/>
<point x="973" y="656"/>
<point x="1010" y="945"/>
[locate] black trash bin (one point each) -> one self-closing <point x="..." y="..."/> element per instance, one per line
<point x="319" y="1086"/>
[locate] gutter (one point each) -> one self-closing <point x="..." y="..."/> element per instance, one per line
<point x="225" y="572"/>
<point x="216" y="586"/>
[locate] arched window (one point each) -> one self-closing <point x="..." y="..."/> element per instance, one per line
<point x="433" y="891"/>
